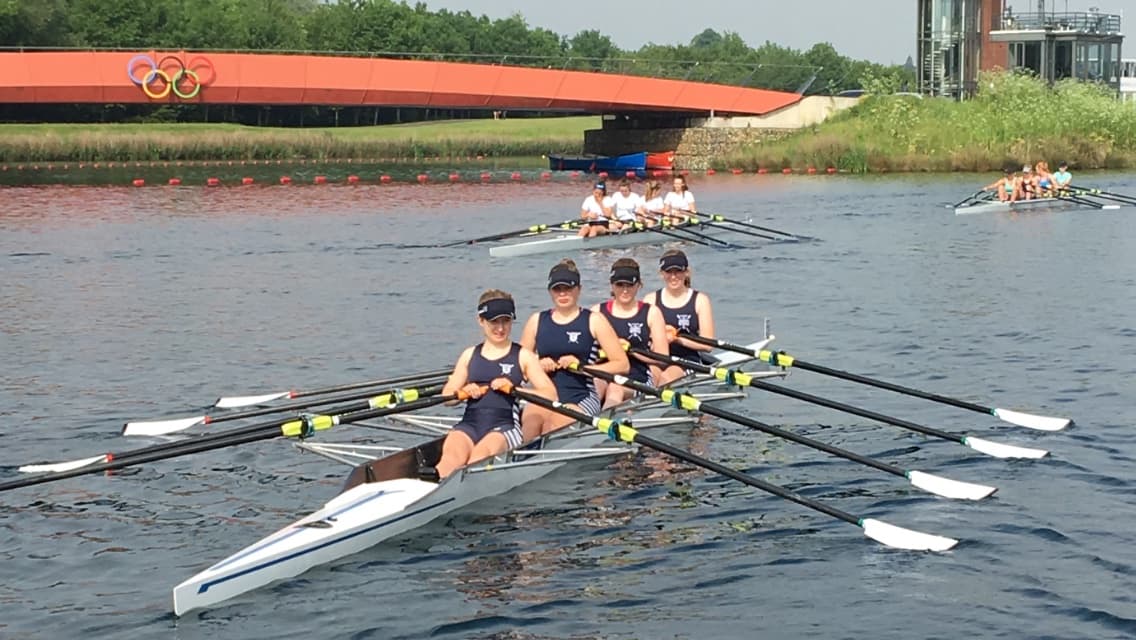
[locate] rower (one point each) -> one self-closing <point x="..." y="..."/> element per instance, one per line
<point x="1062" y="177"/>
<point x="491" y="422"/>
<point x="596" y="212"/>
<point x="624" y="205"/>
<point x="685" y="310"/>
<point x="1026" y="187"/>
<point x="564" y="336"/>
<point x="680" y="201"/>
<point x="1006" y="186"/>
<point x="651" y="206"/>
<point x="637" y="324"/>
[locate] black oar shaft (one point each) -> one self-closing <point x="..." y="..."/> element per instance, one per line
<point x="373" y="383"/>
<point x="740" y="419"/>
<point x="687" y="456"/>
<point x="743" y="223"/>
<point x="742" y="231"/>
<point x="781" y="359"/>
<point x="235" y="437"/>
<point x="533" y="229"/>
<point x="304" y="404"/>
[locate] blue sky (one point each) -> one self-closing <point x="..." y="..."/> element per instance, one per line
<point x="877" y="30"/>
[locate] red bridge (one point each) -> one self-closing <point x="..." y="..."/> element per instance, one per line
<point x="274" y="79"/>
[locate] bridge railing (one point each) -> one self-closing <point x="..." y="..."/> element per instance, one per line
<point x="1078" y="21"/>
<point x="795" y="78"/>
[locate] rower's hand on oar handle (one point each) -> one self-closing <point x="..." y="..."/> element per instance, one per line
<point x="672" y="333"/>
<point x="502" y="384"/>
<point x="568" y="362"/>
<point x="548" y="364"/>
<point x="471" y="391"/>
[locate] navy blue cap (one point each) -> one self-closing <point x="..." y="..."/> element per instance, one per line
<point x="496" y="308"/>
<point x="561" y="275"/>
<point x="674" y="261"/>
<point x="629" y="275"/>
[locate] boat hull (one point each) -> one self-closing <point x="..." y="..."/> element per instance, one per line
<point x="381" y="502"/>
<point x="594" y="164"/>
<point x="1044" y="204"/>
<point x="562" y="243"/>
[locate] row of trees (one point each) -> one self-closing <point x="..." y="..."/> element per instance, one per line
<point x="386" y="27"/>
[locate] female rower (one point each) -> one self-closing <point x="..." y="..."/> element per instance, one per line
<point x="1044" y="179"/>
<point x="562" y="337"/>
<point x="1062" y="178"/>
<point x="636" y="323"/>
<point x="684" y="309"/>
<point x="1006" y="186"/>
<point x="624" y="205"/>
<point x="651" y="206"/>
<point x="680" y="201"/>
<point x="596" y="212"/>
<point x="490" y="424"/>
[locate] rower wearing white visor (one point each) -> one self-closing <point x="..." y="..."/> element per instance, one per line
<point x="564" y="336"/>
<point x="637" y="324"/>
<point x="625" y="204"/>
<point x="491" y="423"/>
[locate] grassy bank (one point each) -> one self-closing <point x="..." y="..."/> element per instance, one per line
<point x="144" y="142"/>
<point x="1014" y="119"/>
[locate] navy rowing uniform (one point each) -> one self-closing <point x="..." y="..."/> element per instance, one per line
<point x="636" y="332"/>
<point x="685" y="319"/>
<point x="554" y="340"/>
<point x="493" y="411"/>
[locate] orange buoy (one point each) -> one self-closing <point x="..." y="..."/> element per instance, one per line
<point x="545" y="175"/>
<point x="285" y="180"/>
<point x="831" y="170"/>
<point x="762" y="171"/>
<point x="603" y="175"/>
<point x="246" y="180"/>
<point x="516" y="175"/>
<point x="173" y="182"/>
<point x="455" y="177"/>
<point x="139" y="182"/>
<point x="385" y="179"/>
<point x="575" y="175"/>
<point x="486" y="176"/>
<point x="630" y="174"/>
<point x="320" y="180"/>
<point x="786" y="171"/>
<point x="212" y="182"/>
<point x="811" y="170"/>
<point x="423" y="178"/>
<point x="352" y="179"/>
<point x="710" y="172"/>
<point x="736" y="171"/>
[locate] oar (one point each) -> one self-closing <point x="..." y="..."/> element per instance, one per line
<point x="877" y="530"/>
<point x="973" y="196"/>
<point x="164" y="427"/>
<point x="1085" y="202"/>
<point x="673" y="232"/>
<point x="934" y="484"/>
<point x="721" y="218"/>
<point x="1119" y="197"/>
<point x="708" y="222"/>
<point x="294" y="428"/>
<point x="234" y="402"/>
<point x="536" y="228"/>
<point x="741" y="378"/>
<point x="782" y="359"/>
<point x="383" y="401"/>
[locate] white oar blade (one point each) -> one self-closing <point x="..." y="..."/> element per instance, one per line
<point x="999" y="450"/>
<point x="901" y="538"/>
<point x="1031" y="421"/>
<point x="61" y="466"/>
<point x="948" y="488"/>
<point x="234" y="402"/>
<point x="160" y="427"/>
<point x="1111" y="206"/>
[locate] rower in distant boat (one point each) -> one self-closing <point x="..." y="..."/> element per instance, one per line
<point x="562" y="337"/>
<point x="1062" y="177"/>
<point x="1025" y="184"/>
<point x="1007" y="186"/>
<point x="596" y="211"/>
<point x="684" y="309"/>
<point x="1043" y="179"/>
<point x="624" y="205"/>
<point x="679" y="202"/>
<point x="491" y="423"/>
<point x="652" y="205"/>
<point x="636" y="323"/>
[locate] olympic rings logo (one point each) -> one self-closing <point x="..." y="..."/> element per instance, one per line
<point x="170" y="75"/>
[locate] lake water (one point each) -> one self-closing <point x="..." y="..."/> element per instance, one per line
<point x="123" y="304"/>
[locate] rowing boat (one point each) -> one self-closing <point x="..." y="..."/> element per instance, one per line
<point x="1037" y="204"/>
<point x="568" y="242"/>
<point x="383" y="497"/>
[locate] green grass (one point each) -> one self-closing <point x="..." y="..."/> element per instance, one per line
<point x="192" y="141"/>
<point x="1014" y="120"/>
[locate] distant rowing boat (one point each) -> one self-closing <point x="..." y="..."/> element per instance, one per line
<point x="1056" y="203"/>
<point x="568" y="242"/>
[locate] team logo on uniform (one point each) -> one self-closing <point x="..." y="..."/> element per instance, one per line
<point x="684" y="321"/>
<point x="506" y="368"/>
<point x="573" y="337"/>
<point x="635" y="329"/>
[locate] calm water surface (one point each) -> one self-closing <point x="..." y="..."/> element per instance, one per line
<point x="123" y="304"/>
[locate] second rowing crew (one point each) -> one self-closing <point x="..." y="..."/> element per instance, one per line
<point x="557" y="341"/>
